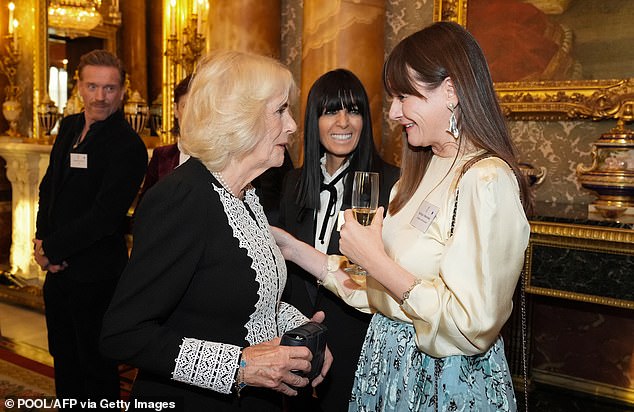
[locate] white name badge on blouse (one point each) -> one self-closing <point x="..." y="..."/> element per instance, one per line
<point x="79" y="160"/>
<point x="425" y="214"/>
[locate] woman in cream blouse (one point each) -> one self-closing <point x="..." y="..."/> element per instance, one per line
<point x="444" y="263"/>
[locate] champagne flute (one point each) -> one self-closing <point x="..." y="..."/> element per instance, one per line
<point x="365" y="201"/>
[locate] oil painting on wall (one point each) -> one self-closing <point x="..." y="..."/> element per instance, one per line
<point x="534" y="40"/>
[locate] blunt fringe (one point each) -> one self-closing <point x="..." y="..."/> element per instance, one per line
<point x="335" y="90"/>
<point x="441" y="50"/>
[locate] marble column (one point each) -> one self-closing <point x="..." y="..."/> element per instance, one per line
<point x="26" y="165"/>
<point x="248" y="25"/>
<point x="345" y="34"/>
<point x="134" y="47"/>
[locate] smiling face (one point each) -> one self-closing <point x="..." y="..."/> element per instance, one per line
<point x="339" y="133"/>
<point x="101" y="90"/>
<point x="269" y="151"/>
<point x="425" y="119"/>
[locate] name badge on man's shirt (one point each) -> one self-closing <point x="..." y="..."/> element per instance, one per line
<point x="425" y="214"/>
<point x="79" y="160"/>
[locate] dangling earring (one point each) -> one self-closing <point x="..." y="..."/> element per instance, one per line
<point x="453" y="123"/>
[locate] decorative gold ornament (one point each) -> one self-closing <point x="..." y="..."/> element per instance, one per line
<point x="185" y="24"/>
<point x="47" y="114"/>
<point x="156" y="115"/>
<point x="535" y="175"/>
<point x="74" y="104"/>
<point x="11" y="110"/>
<point x="136" y="112"/>
<point x="547" y="100"/>
<point x="113" y="13"/>
<point x="611" y="174"/>
<point x="193" y="46"/>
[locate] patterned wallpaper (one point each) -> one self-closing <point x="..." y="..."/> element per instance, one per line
<point x="557" y="146"/>
<point x="291" y="55"/>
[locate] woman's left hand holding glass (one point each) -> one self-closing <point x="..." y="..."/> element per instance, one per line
<point x="362" y="244"/>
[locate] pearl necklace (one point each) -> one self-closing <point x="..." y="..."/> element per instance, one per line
<point x="223" y="183"/>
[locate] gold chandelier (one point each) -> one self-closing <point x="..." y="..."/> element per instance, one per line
<point x="74" y="17"/>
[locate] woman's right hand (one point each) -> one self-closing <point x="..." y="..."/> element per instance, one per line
<point x="269" y="365"/>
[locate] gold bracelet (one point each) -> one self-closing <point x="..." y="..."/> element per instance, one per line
<point x="408" y="291"/>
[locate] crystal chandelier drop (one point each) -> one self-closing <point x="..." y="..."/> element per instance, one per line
<point x="74" y="17"/>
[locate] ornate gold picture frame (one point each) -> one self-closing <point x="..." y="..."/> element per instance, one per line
<point x="554" y="100"/>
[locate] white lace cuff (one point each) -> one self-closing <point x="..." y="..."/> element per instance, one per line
<point x="206" y="364"/>
<point x="289" y="317"/>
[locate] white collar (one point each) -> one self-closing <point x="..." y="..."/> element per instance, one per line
<point x="327" y="176"/>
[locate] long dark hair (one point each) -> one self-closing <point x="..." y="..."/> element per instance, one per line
<point x="333" y="91"/>
<point x="442" y="50"/>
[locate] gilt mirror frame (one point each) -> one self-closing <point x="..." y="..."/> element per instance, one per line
<point x="40" y="58"/>
<point x="553" y="100"/>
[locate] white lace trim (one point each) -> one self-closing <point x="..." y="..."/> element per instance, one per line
<point x="267" y="261"/>
<point x="289" y="317"/>
<point x="206" y="364"/>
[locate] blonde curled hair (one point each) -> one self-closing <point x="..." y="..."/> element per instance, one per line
<point x="224" y="117"/>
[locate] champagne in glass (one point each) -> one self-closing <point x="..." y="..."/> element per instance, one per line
<point x="364" y="215"/>
<point x="365" y="201"/>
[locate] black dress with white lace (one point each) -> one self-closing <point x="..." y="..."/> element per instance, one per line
<point x="204" y="280"/>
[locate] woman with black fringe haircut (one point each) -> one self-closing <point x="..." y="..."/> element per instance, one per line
<point x="338" y="141"/>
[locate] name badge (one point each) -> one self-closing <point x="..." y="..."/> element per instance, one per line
<point x="79" y="160"/>
<point x="425" y="214"/>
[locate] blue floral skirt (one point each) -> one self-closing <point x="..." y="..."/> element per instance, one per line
<point x="393" y="375"/>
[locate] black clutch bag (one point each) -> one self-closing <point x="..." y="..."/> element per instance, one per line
<point x="313" y="336"/>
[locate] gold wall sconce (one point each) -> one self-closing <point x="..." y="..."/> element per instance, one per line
<point x="184" y="43"/>
<point x="11" y="107"/>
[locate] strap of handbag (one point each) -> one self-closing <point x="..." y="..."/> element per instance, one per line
<point x="466" y="167"/>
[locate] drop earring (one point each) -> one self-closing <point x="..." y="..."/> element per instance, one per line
<point x="453" y="123"/>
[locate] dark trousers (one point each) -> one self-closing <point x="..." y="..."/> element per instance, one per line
<point x="74" y="314"/>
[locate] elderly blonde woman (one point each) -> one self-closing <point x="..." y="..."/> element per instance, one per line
<point x="198" y="308"/>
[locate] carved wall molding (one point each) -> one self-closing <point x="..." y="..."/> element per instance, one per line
<point x="556" y="100"/>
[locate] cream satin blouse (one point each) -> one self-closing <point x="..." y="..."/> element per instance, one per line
<point x="468" y="279"/>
